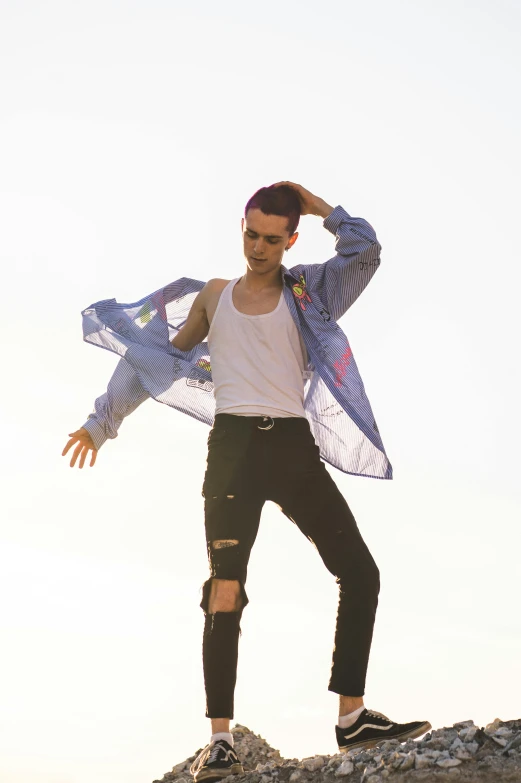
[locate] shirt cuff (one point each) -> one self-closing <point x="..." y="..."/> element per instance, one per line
<point x="334" y="219"/>
<point x="96" y="432"/>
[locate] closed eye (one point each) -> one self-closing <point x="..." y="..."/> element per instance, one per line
<point x="271" y="240"/>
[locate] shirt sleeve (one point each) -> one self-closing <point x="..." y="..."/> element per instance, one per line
<point x="124" y="394"/>
<point x="340" y="280"/>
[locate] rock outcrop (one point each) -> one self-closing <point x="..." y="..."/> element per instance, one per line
<point x="463" y="752"/>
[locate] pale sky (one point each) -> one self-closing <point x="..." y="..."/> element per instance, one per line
<point x="131" y="136"/>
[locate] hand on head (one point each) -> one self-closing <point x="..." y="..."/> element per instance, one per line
<point x="309" y="203"/>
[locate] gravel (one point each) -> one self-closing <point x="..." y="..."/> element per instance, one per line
<point x="462" y="752"/>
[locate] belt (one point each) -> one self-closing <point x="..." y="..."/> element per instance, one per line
<point x="260" y="422"/>
<point x="266" y="423"/>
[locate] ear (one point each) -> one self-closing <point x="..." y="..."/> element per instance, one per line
<point x="292" y="240"/>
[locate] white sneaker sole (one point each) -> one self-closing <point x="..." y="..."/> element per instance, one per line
<point x="218" y="774"/>
<point x="371" y="743"/>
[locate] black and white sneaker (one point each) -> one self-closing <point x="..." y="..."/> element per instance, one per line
<point x="216" y="761"/>
<point x="370" y="728"/>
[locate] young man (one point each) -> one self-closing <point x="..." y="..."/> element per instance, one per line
<point x="286" y="392"/>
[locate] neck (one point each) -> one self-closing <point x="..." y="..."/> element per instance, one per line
<point x="256" y="283"/>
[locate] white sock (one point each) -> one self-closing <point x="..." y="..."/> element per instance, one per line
<point x="344" y="721"/>
<point x="225" y="735"/>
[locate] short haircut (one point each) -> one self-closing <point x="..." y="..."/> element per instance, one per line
<point x="282" y="200"/>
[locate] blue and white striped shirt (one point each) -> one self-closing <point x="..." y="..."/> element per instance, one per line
<point x="317" y="295"/>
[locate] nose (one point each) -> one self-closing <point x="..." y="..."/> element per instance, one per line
<point x="258" y="246"/>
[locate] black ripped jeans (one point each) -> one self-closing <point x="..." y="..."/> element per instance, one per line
<point x="280" y="462"/>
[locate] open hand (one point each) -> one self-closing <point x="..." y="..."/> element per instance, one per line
<point x="309" y="204"/>
<point x="84" y="444"/>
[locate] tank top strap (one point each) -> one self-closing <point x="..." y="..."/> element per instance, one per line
<point x="229" y="290"/>
<point x="224" y="304"/>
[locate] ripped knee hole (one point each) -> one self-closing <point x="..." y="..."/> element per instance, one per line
<point x="225" y="596"/>
<point x="224" y="543"/>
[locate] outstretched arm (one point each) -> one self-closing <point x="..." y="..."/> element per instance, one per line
<point x="124" y="394"/>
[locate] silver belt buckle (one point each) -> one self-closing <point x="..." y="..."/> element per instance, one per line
<point x="265" y="418"/>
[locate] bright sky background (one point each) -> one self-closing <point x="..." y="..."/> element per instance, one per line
<point x="131" y="136"/>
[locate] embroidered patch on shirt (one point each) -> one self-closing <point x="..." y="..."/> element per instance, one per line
<point x="301" y="293"/>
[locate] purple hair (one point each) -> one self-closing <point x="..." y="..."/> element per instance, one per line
<point x="282" y="200"/>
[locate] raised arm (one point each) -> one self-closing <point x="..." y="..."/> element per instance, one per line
<point x="340" y="280"/>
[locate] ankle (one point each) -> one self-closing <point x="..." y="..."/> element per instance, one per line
<point x="220" y="724"/>
<point x="345" y="721"/>
<point x="222" y="735"/>
<point x="348" y="704"/>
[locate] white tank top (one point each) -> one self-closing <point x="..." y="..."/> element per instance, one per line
<point x="257" y="361"/>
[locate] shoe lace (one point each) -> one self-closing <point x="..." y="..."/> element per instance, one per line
<point x="211" y="750"/>
<point x="215" y="752"/>
<point x="378" y="715"/>
<point x="195" y="763"/>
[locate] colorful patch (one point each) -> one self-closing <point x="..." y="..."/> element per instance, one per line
<point x="301" y="293"/>
<point x="144" y="314"/>
<point x="341" y="365"/>
<point x="205" y="364"/>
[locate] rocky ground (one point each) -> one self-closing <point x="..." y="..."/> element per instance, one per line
<point x="463" y="752"/>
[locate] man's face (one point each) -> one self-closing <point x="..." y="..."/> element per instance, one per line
<point x="265" y="238"/>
